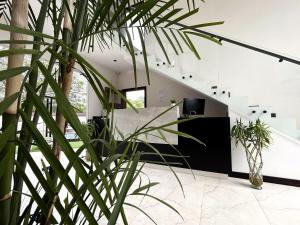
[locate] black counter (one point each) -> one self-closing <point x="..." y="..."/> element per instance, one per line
<point x="214" y="156"/>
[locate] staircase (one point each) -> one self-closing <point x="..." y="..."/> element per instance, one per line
<point x="214" y="90"/>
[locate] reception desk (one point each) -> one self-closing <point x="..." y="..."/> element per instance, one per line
<point x="214" y="132"/>
<point x="214" y="156"/>
<point x="128" y="121"/>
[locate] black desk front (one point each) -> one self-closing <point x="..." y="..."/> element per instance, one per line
<point x="214" y="156"/>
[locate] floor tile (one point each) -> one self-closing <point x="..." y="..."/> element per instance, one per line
<point x="208" y="199"/>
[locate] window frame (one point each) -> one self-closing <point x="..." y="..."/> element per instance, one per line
<point x="124" y="91"/>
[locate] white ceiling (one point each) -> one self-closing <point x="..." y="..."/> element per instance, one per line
<point x="106" y="59"/>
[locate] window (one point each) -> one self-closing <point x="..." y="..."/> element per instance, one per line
<point x="136" y="96"/>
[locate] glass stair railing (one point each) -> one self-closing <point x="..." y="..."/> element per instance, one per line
<point x="215" y="91"/>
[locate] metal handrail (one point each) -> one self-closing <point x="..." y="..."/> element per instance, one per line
<point x="280" y="57"/>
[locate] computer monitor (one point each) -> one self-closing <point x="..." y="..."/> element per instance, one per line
<point x="193" y="106"/>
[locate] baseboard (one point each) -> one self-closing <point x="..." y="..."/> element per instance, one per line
<point x="274" y="180"/>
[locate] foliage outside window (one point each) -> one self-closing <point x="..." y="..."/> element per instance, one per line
<point x="137" y="97"/>
<point x="78" y="94"/>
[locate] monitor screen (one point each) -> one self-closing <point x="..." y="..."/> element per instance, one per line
<point x="193" y="106"/>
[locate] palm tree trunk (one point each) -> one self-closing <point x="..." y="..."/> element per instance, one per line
<point x="67" y="75"/>
<point x="67" y="72"/>
<point x="19" y="17"/>
<point x="25" y="136"/>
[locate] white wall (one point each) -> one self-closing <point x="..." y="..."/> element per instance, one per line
<point x="280" y="160"/>
<point x="263" y="79"/>
<point x="162" y="90"/>
<point x="268" y="24"/>
<point x="94" y="107"/>
<point x="271" y="24"/>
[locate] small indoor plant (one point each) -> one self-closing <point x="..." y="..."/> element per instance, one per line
<point x="254" y="137"/>
<point x="173" y="101"/>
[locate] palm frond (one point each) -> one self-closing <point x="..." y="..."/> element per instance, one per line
<point x="109" y="23"/>
<point x="4" y="4"/>
<point x="99" y="188"/>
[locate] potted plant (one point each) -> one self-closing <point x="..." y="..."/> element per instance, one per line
<point x="91" y="128"/>
<point x="254" y="137"/>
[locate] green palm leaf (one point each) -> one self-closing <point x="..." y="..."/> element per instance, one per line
<point x="57" y="167"/>
<point x="124" y="190"/>
<point x="7" y="102"/>
<point x="5" y="74"/>
<point x="3" y="6"/>
<point x="102" y="185"/>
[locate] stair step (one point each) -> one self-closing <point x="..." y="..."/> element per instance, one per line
<point x="172" y="72"/>
<point x="201" y="85"/>
<point x="222" y="94"/>
<point x="238" y="101"/>
<point x="292" y="133"/>
<point x="260" y="111"/>
<point x="284" y="124"/>
<point x="151" y="59"/>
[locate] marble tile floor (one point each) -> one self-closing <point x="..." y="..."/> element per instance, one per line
<point x="211" y="199"/>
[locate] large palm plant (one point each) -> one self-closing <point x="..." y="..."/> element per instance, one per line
<point x="98" y="188"/>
